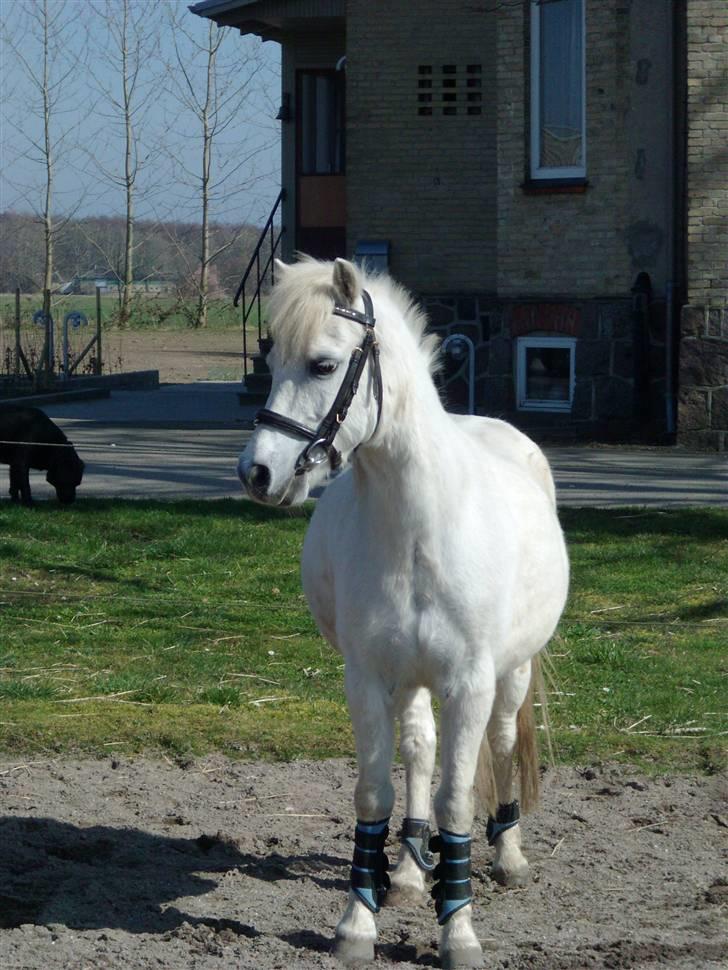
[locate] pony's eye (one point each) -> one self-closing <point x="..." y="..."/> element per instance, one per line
<point x="322" y="368"/>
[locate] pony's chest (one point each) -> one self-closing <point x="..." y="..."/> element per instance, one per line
<point x="407" y="604"/>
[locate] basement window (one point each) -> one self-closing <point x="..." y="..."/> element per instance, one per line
<point x="545" y="373"/>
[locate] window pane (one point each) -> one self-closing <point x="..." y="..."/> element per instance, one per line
<point x="322" y="130"/>
<point x="308" y="123"/>
<point x="561" y="64"/>
<point x="325" y="124"/>
<point x="548" y="371"/>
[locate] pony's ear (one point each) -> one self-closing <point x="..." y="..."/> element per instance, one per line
<point x="346" y="282"/>
<point x="281" y="267"/>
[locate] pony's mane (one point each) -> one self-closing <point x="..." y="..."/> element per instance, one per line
<point x="302" y="300"/>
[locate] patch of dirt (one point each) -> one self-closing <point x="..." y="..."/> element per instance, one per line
<point x="213" y="864"/>
<point x="180" y="356"/>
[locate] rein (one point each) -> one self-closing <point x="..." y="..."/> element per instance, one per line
<point x="321" y="441"/>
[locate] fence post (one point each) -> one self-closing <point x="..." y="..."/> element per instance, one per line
<point x="49" y="350"/>
<point x="40" y="372"/>
<point x="97" y="366"/>
<point x="16" y="364"/>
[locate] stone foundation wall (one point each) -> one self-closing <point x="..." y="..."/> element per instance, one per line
<point x="703" y="378"/>
<point x="609" y="402"/>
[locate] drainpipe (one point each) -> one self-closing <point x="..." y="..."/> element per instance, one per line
<point x="676" y="294"/>
<point x="641" y="299"/>
<point x="669" y="339"/>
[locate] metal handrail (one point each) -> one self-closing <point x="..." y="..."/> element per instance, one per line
<point x="268" y="234"/>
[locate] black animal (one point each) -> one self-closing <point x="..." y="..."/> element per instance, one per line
<point x="29" y="439"/>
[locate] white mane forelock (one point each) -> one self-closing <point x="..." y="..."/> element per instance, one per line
<point x="302" y="299"/>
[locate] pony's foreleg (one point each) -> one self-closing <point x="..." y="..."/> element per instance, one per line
<point x="464" y="719"/>
<point x="372" y="717"/>
<point x="510" y="867"/>
<point x="417" y="745"/>
<point x="20" y="483"/>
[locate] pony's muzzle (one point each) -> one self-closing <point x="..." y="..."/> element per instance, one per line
<point x="66" y="495"/>
<point x="256" y="479"/>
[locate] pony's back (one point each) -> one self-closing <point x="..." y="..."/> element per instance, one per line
<point x="510" y="444"/>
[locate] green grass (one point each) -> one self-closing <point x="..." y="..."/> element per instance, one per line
<point x="642" y="650"/>
<point x="181" y="627"/>
<point x="148" y="312"/>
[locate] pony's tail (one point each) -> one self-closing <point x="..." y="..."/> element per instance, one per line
<point x="527" y="739"/>
<point x="526" y="749"/>
<point x="485" y="787"/>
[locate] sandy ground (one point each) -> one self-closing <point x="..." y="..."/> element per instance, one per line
<point x="212" y="864"/>
<point x="180" y="356"/>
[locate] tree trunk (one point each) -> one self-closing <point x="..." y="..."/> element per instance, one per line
<point x="203" y="285"/>
<point x="204" y="280"/>
<point x="127" y="283"/>
<point x="47" y="215"/>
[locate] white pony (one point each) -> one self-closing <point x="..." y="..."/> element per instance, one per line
<point x="435" y="564"/>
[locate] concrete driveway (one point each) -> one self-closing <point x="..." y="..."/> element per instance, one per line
<point x="183" y="440"/>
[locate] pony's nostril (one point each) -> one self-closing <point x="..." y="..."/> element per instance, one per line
<point x="259" y="478"/>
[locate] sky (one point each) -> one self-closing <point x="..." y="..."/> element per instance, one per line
<point x="86" y="125"/>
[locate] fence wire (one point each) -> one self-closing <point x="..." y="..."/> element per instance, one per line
<point x="36" y="352"/>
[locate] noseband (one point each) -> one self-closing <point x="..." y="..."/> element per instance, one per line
<point x="321" y="441"/>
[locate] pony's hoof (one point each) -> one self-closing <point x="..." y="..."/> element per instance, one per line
<point x="468" y="955"/>
<point x="352" y="951"/>
<point x="514" y="878"/>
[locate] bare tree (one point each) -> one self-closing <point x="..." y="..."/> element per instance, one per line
<point x="39" y="37"/>
<point x="126" y="87"/>
<point x="212" y="77"/>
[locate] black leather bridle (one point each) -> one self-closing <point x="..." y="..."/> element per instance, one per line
<point x="320" y="445"/>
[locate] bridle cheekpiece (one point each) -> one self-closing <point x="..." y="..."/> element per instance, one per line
<point x="320" y="445"/>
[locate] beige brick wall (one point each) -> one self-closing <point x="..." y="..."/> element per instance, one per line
<point x="426" y="183"/>
<point x="448" y="190"/>
<point x="707" y="150"/>
<point x="652" y="161"/>
<point x="572" y="245"/>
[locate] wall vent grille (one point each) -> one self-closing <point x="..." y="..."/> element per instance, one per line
<point x="449" y="89"/>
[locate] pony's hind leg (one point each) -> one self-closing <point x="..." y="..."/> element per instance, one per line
<point x="464" y="719"/>
<point x="417" y="745"/>
<point x="372" y="716"/>
<point x="510" y="867"/>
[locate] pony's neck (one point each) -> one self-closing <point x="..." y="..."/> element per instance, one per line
<point x="412" y="441"/>
<point x="411" y="446"/>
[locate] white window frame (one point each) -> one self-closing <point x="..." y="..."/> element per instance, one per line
<point x="537" y="170"/>
<point x="524" y="403"/>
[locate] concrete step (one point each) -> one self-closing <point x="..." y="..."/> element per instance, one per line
<point x="255" y="389"/>
<point x="259" y="364"/>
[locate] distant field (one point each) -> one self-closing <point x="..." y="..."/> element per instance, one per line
<point x="159" y="336"/>
<point x="149" y="312"/>
<point x="181" y="627"/>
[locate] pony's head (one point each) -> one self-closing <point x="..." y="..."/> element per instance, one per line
<point x="312" y="349"/>
<point x="65" y="472"/>
<point x="315" y="348"/>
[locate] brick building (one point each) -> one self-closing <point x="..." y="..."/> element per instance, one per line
<point x="550" y="177"/>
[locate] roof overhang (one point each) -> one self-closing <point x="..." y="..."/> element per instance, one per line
<point x="271" y="19"/>
<point x="211" y="8"/>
